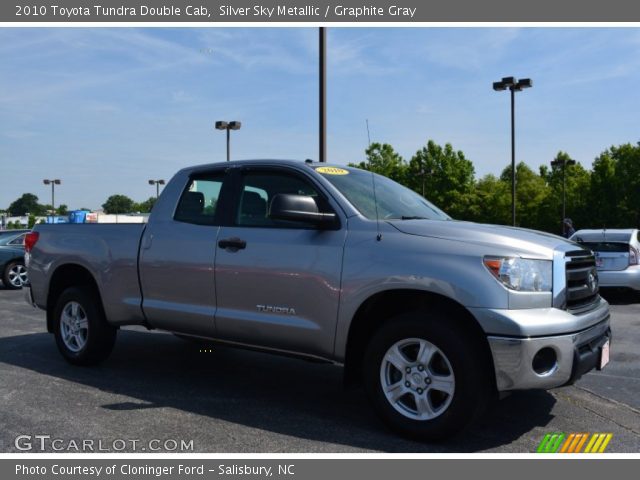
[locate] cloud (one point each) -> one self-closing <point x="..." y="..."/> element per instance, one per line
<point x="282" y="50"/>
<point x="358" y="55"/>
<point x="468" y="49"/>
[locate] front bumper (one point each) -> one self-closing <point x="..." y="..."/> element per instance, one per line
<point x="575" y="354"/>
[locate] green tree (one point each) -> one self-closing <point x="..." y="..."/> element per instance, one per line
<point x="27" y="203"/>
<point x="118" y="204"/>
<point x="384" y="160"/>
<point x="577" y="183"/>
<point x="627" y="173"/>
<point x="531" y="194"/>
<point x="492" y="201"/>
<point x="446" y="176"/>
<point x="146" y="206"/>
<point x="604" y="191"/>
<point x="62" y="209"/>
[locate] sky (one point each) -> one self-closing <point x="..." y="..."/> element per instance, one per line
<point x="107" y="109"/>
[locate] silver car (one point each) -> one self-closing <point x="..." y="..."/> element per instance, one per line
<point x="616" y="252"/>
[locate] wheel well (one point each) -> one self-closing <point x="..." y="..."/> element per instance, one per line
<point x="65" y="276"/>
<point x="381" y="307"/>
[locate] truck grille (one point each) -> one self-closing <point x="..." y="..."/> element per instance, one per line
<point x="582" y="280"/>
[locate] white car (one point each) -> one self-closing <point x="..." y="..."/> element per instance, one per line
<point x="616" y="252"/>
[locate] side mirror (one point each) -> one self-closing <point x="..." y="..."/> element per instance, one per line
<point x="299" y="208"/>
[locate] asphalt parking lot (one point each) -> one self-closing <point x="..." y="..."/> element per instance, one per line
<point x="158" y="387"/>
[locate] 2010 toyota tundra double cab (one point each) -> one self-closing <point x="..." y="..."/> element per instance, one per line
<point x="434" y="316"/>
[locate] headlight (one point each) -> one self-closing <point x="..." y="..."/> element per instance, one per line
<point x="521" y="274"/>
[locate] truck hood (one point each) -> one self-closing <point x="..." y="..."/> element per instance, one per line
<point x="519" y="240"/>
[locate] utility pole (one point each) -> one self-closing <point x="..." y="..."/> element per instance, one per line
<point x="323" y="95"/>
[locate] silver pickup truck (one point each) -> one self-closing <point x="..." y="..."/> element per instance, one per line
<point x="434" y="316"/>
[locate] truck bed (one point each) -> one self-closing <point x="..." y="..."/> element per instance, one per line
<point x="108" y="251"/>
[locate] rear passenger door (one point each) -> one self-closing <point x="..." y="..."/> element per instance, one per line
<point x="177" y="258"/>
<point x="278" y="282"/>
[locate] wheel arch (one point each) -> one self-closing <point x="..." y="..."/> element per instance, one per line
<point x="65" y="276"/>
<point x="382" y="306"/>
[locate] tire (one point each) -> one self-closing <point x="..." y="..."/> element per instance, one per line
<point x="437" y="397"/>
<point x="14" y="275"/>
<point x="82" y="333"/>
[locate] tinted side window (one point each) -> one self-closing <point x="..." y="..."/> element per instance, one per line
<point x="18" y="240"/>
<point x="198" y="203"/>
<point x="257" y="191"/>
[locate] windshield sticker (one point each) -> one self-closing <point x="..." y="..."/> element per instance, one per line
<point x="332" y="171"/>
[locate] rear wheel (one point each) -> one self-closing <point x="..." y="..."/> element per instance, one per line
<point x="14" y="275"/>
<point x="82" y="333"/>
<point x="426" y="376"/>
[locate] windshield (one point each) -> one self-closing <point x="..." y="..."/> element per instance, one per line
<point x="393" y="201"/>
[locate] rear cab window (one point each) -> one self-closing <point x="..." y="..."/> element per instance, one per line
<point x="200" y="200"/>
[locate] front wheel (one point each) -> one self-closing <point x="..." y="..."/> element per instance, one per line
<point x="14" y="275"/>
<point x="426" y="376"/>
<point x="82" y="333"/>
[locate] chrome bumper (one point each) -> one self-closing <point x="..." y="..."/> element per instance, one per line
<point x="576" y="353"/>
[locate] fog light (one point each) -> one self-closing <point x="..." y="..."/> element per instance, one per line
<point x="545" y="361"/>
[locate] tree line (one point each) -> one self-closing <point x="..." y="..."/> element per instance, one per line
<point x="28" y="204"/>
<point x="607" y="195"/>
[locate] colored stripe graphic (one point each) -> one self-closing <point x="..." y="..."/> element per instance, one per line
<point x="598" y="443"/>
<point x="551" y="443"/>
<point x="574" y="442"/>
<point x="581" y="443"/>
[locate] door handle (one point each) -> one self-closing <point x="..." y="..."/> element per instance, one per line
<point x="233" y="243"/>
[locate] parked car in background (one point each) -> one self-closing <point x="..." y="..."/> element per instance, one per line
<point x="616" y="252"/>
<point x="12" y="269"/>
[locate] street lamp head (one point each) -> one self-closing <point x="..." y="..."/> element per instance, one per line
<point x="499" y="86"/>
<point x="161" y="182"/>
<point x="57" y="181"/>
<point x="152" y="182"/>
<point x="561" y="162"/>
<point x="524" y="83"/>
<point x="220" y="125"/>
<point x="508" y="81"/>
<point x="234" y="125"/>
<point x="46" y="182"/>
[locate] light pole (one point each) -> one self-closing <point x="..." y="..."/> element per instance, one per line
<point x="424" y="171"/>
<point x="157" y="183"/>
<point x="228" y="126"/>
<point x="322" y="94"/>
<point x="53" y="183"/>
<point x="514" y="85"/>
<point x="562" y="161"/>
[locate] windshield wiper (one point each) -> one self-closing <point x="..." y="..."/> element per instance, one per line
<point x="414" y="217"/>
